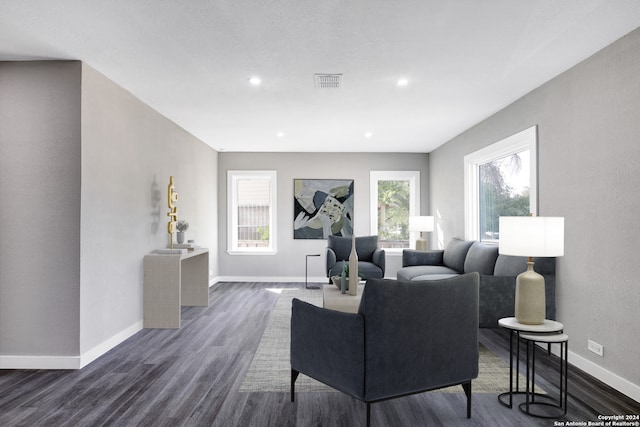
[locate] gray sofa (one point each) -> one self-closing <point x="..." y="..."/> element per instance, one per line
<point x="497" y="274"/>
<point x="392" y="347"/>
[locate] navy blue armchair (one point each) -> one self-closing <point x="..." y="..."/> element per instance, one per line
<point x="371" y="259"/>
<point x="407" y="338"/>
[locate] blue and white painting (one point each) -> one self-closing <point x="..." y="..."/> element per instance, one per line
<point x="322" y="207"/>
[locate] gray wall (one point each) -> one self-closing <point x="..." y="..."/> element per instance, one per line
<point x="40" y="215"/>
<point x="128" y="153"/>
<point x="289" y="262"/>
<point x="84" y="174"/>
<point x="588" y="124"/>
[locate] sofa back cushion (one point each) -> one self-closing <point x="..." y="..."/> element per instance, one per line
<point x="340" y="245"/>
<point x="455" y="254"/>
<point x="481" y="258"/>
<point x="365" y="247"/>
<point x="413" y="257"/>
<point x="507" y="265"/>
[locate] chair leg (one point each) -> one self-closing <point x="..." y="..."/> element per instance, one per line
<point x="467" y="391"/>
<point x="294" y="377"/>
<point x="368" y="414"/>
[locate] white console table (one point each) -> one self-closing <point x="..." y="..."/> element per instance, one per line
<point x="171" y="281"/>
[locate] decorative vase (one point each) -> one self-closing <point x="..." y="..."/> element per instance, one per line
<point x="353" y="268"/>
<point x="180" y="236"/>
<point x="530" y="307"/>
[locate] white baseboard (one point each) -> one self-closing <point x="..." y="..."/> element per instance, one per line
<point x="97" y="351"/>
<point x="622" y="385"/>
<point x="315" y="279"/>
<point x="288" y="279"/>
<point x="69" y="362"/>
<point x="39" y="362"/>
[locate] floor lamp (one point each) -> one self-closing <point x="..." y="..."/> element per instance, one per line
<point x="421" y="224"/>
<point x="531" y="236"/>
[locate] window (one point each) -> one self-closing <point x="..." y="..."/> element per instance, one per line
<point x="500" y="180"/>
<point x="252" y="210"/>
<point x="395" y="196"/>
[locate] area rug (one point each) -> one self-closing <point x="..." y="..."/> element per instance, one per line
<point x="270" y="369"/>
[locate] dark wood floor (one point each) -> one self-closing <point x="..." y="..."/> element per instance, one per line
<point x="192" y="376"/>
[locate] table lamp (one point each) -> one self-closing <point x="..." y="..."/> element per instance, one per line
<point x="531" y="237"/>
<point x="420" y="224"/>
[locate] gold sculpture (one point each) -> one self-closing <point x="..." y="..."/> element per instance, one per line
<point x="172" y="197"/>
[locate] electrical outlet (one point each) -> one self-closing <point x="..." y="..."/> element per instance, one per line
<point x="595" y="348"/>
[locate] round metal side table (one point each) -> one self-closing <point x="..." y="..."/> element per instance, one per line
<point x="515" y="328"/>
<point x="530" y="402"/>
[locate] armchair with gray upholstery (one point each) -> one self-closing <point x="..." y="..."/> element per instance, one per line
<point x="406" y="338"/>
<point x="371" y="259"/>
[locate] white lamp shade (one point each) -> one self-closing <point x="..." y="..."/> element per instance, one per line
<point x="421" y="223"/>
<point x="531" y="236"/>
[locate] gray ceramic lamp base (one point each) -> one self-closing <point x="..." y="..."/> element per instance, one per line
<point x="530" y="308"/>
<point x="421" y="244"/>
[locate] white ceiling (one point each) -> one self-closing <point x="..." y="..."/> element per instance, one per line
<point x="191" y="61"/>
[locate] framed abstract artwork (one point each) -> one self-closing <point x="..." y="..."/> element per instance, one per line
<point x="322" y="207"/>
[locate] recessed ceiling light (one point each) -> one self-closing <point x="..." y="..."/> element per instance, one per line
<point x="280" y="134"/>
<point x="368" y="134"/>
<point x="255" y="80"/>
<point x="403" y="82"/>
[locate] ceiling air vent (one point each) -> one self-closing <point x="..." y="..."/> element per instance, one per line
<point x="328" y="81"/>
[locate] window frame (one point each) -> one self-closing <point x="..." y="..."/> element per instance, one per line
<point x="524" y="140"/>
<point x="414" y="205"/>
<point x="233" y="176"/>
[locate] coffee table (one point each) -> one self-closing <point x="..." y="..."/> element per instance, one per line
<point x="334" y="299"/>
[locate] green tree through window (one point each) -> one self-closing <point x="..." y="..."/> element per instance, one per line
<point x="500" y="180"/>
<point x="504" y="191"/>
<point x="393" y="213"/>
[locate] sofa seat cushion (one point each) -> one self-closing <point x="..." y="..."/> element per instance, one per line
<point x="367" y="270"/>
<point x="409" y="273"/>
